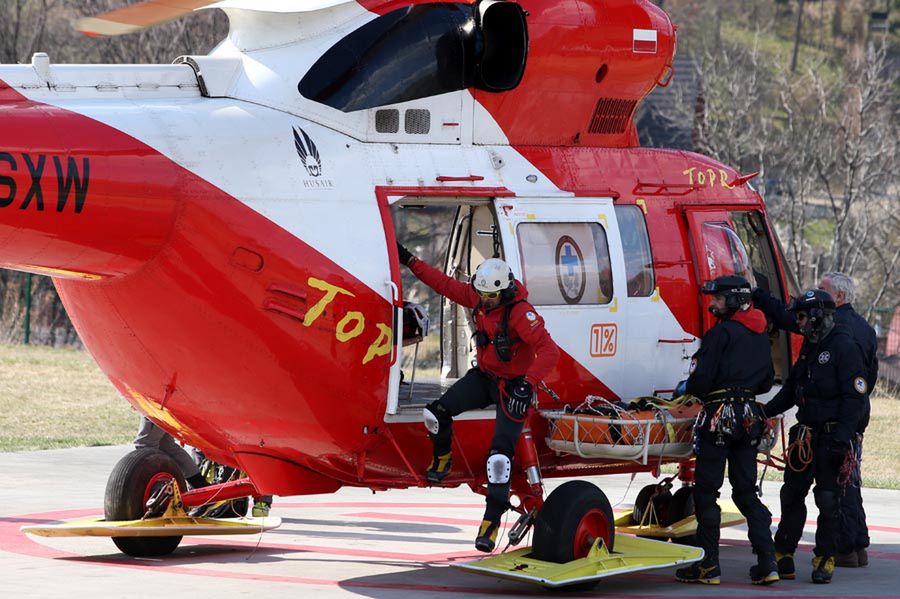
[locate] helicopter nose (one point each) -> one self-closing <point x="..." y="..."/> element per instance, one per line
<point x="78" y="198"/>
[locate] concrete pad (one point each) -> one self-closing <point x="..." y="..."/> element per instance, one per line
<point x="351" y="544"/>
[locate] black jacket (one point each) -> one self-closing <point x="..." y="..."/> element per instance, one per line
<point x="862" y="333"/>
<point x="734" y="354"/>
<point x="827" y="384"/>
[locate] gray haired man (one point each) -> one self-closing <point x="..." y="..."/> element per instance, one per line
<point x="854" y="537"/>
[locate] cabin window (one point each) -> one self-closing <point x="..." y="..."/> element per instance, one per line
<point x="565" y="263"/>
<point x="636" y="247"/>
<point x="725" y="253"/>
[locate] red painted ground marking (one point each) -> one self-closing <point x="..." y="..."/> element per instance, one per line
<point x="11" y="539"/>
<point x="889" y="529"/>
<point x="421" y="519"/>
<point x="355" y="504"/>
<point x="808" y="547"/>
<point x="289" y="547"/>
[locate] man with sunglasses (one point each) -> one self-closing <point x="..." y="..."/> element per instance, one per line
<point x="854" y="537"/>
<point x="514" y="353"/>
<point x="829" y="387"/>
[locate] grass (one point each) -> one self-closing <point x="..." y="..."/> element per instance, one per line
<point x="51" y="398"/>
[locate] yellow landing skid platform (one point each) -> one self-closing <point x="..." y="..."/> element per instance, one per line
<point x="630" y="555"/>
<point x="155" y="527"/>
<point x="731" y="516"/>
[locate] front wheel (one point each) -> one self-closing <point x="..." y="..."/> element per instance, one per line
<point x="131" y="483"/>
<point x="573" y="517"/>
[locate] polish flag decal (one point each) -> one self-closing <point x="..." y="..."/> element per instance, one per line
<point x="644" y="41"/>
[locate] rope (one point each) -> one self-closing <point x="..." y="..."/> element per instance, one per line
<point x="802" y="447"/>
<point x="849" y="468"/>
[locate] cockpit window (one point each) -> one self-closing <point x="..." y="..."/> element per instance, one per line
<point x="422" y="51"/>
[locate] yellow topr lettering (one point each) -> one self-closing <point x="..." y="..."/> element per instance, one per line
<point x="723" y="179"/>
<point x="341" y="331"/>
<point x="382" y="345"/>
<point x="701" y="178"/>
<point x="690" y="173"/>
<point x="331" y="292"/>
<point x="711" y="176"/>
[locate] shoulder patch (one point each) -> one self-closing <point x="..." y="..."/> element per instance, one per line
<point x="859" y="383"/>
<point x="693" y="366"/>
<point x="824" y="357"/>
<point x="530" y="315"/>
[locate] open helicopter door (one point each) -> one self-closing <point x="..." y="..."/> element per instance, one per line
<point x="718" y="251"/>
<point x="568" y="253"/>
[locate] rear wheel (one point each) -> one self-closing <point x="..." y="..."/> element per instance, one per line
<point x="681" y="507"/>
<point x="652" y="507"/>
<point x="131" y="483"/>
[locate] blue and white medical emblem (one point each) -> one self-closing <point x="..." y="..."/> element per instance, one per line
<point x="570" y="271"/>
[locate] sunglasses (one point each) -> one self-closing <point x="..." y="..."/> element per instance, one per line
<point x="488" y="294"/>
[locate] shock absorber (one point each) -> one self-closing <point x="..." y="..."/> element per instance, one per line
<point x="533" y="499"/>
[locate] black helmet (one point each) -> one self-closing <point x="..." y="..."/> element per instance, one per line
<point x="734" y="288"/>
<point x="814" y="299"/>
<point x="819" y="307"/>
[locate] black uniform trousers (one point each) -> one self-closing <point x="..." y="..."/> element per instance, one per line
<point x="735" y="449"/>
<point x="854" y="533"/>
<point x="824" y="470"/>
<point x="477" y="390"/>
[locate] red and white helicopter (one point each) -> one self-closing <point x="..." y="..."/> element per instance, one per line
<point x="221" y="230"/>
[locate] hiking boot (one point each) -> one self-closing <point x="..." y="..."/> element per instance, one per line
<point x="847" y="560"/>
<point x="439" y="468"/>
<point x="863" y="557"/>
<point x="696" y="572"/>
<point x="785" y="563"/>
<point x="487" y="535"/>
<point x="261" y="508"/>
<point x="765" y="571"/>
<point x="823" y="570"/>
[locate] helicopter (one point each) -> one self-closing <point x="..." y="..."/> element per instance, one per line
<point x="222" y="232"/>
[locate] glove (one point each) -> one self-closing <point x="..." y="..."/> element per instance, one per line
<point x="404" y="254"/>
<point x="759" y="295"/>
<point x="680" y="388"/>
<point x="519" y="399"/>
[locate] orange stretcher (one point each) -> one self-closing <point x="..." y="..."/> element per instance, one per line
<point x="601" y="429"/>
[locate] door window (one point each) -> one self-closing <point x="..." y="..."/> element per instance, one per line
<point x="724" y="253"/>
<point x="636" y="247"/>
<point x="565" y="263"/>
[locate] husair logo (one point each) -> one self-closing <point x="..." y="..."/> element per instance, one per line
<point x="309" y="154"/>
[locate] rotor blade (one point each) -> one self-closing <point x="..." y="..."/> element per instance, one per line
<point x="137" y="16"/>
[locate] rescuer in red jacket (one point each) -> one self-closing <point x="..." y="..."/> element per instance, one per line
<point x="514" y="353"/>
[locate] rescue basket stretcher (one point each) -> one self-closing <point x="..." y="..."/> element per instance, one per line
<point x="622" y="434"/>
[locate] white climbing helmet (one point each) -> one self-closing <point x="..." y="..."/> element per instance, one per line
<point x="492" y="275"/>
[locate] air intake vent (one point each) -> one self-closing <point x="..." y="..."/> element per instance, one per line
<point x="417" y="121"/>
<point x="387" y="121"/>
<point x="611" y="115"/>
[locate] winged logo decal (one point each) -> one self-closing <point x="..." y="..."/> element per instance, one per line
<point x="309" y="154"/>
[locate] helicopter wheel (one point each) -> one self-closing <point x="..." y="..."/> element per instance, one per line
<point x="660" y="501"/>
<point x="681" y="507"/>
<point x="573" y="517"/>
<point x="133" y="480"/>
